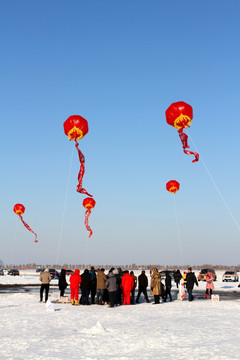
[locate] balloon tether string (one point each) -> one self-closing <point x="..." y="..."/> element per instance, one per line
<point x="216" y="187"/>
<point x="64" y="208"/>
<point x="178" y="231"/>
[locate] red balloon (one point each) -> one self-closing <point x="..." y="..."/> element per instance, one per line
<point x="19" y="210"/>
<point x="172" y="186"/>
<point x="179" y="115"/>
<point x="89" y="204"/>
<point x="75" y="127"/>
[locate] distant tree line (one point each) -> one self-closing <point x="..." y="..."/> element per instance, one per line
<point x="132" y="266"/>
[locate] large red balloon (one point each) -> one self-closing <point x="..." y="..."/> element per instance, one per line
<point x="180" y="115"/>
<point x="76" y="127"/>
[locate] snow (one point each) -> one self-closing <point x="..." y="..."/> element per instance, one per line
<point x="198" y="330"/>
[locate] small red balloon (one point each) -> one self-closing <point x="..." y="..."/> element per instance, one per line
<point x="172" y="186"/>
<point x="19" y="209"/>
<point x="89" y="204"/>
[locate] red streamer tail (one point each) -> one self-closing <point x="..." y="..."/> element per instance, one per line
<point x="28" y="227"/>
<point x="87" y="213"/>
<point x="80" y="189"/>
<point x="184" y="140"/>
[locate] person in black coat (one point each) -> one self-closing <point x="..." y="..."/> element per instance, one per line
<point x="177" y="277"/>
<point x="118" y="274"/>
<point x="142" y="286"/>
<point x="93" y="284"/>
<point x="62" y="283"/>
<point x="85" y="287"/>
<point x="168" y="286"/>
<point x="191" y="280"/>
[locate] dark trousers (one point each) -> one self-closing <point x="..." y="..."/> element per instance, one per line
<point x="46" y="288"/>
<point x="190" y="296"/>
<point x="112" y="295"/>
<point x="118" y="300"/>
<point x="100" y="293"/>
<point x="85" y="296"/>
<point x="93" y="294"/>
<point x="210" y="290"/>
<point x="133" y="296"/>
<point x="144" y="291"/>
<point x="168" y="293"/>
<point x="105" y="297"/>
<point x="157" y="299"/>
<point x="62" y="291"/>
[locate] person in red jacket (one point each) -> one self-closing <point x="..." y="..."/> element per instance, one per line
<point x="127" y="286"/>
<point x="75" y="281"/>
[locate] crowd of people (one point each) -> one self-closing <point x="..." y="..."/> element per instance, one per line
<point x="119" y="287"/>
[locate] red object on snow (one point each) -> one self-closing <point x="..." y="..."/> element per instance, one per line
<point x="127" y="282"/>
<point x="75" y="279"/>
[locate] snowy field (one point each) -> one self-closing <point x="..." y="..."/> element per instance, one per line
<point x="202" y="329"/>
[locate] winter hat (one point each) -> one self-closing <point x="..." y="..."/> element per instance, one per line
<point x="190" y="268"/>
<point x="115" y="272"/>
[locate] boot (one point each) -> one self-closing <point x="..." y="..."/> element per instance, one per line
<point x="77" y="302"/>
<point x="72" y="301"/>
<point x="206" y="296"/>
<point x="210" y="296"/>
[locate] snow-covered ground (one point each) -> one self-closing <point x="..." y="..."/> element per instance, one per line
<point x="198" y="330"/>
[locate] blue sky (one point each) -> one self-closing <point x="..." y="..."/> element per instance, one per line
<point x="120" y="64"/>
